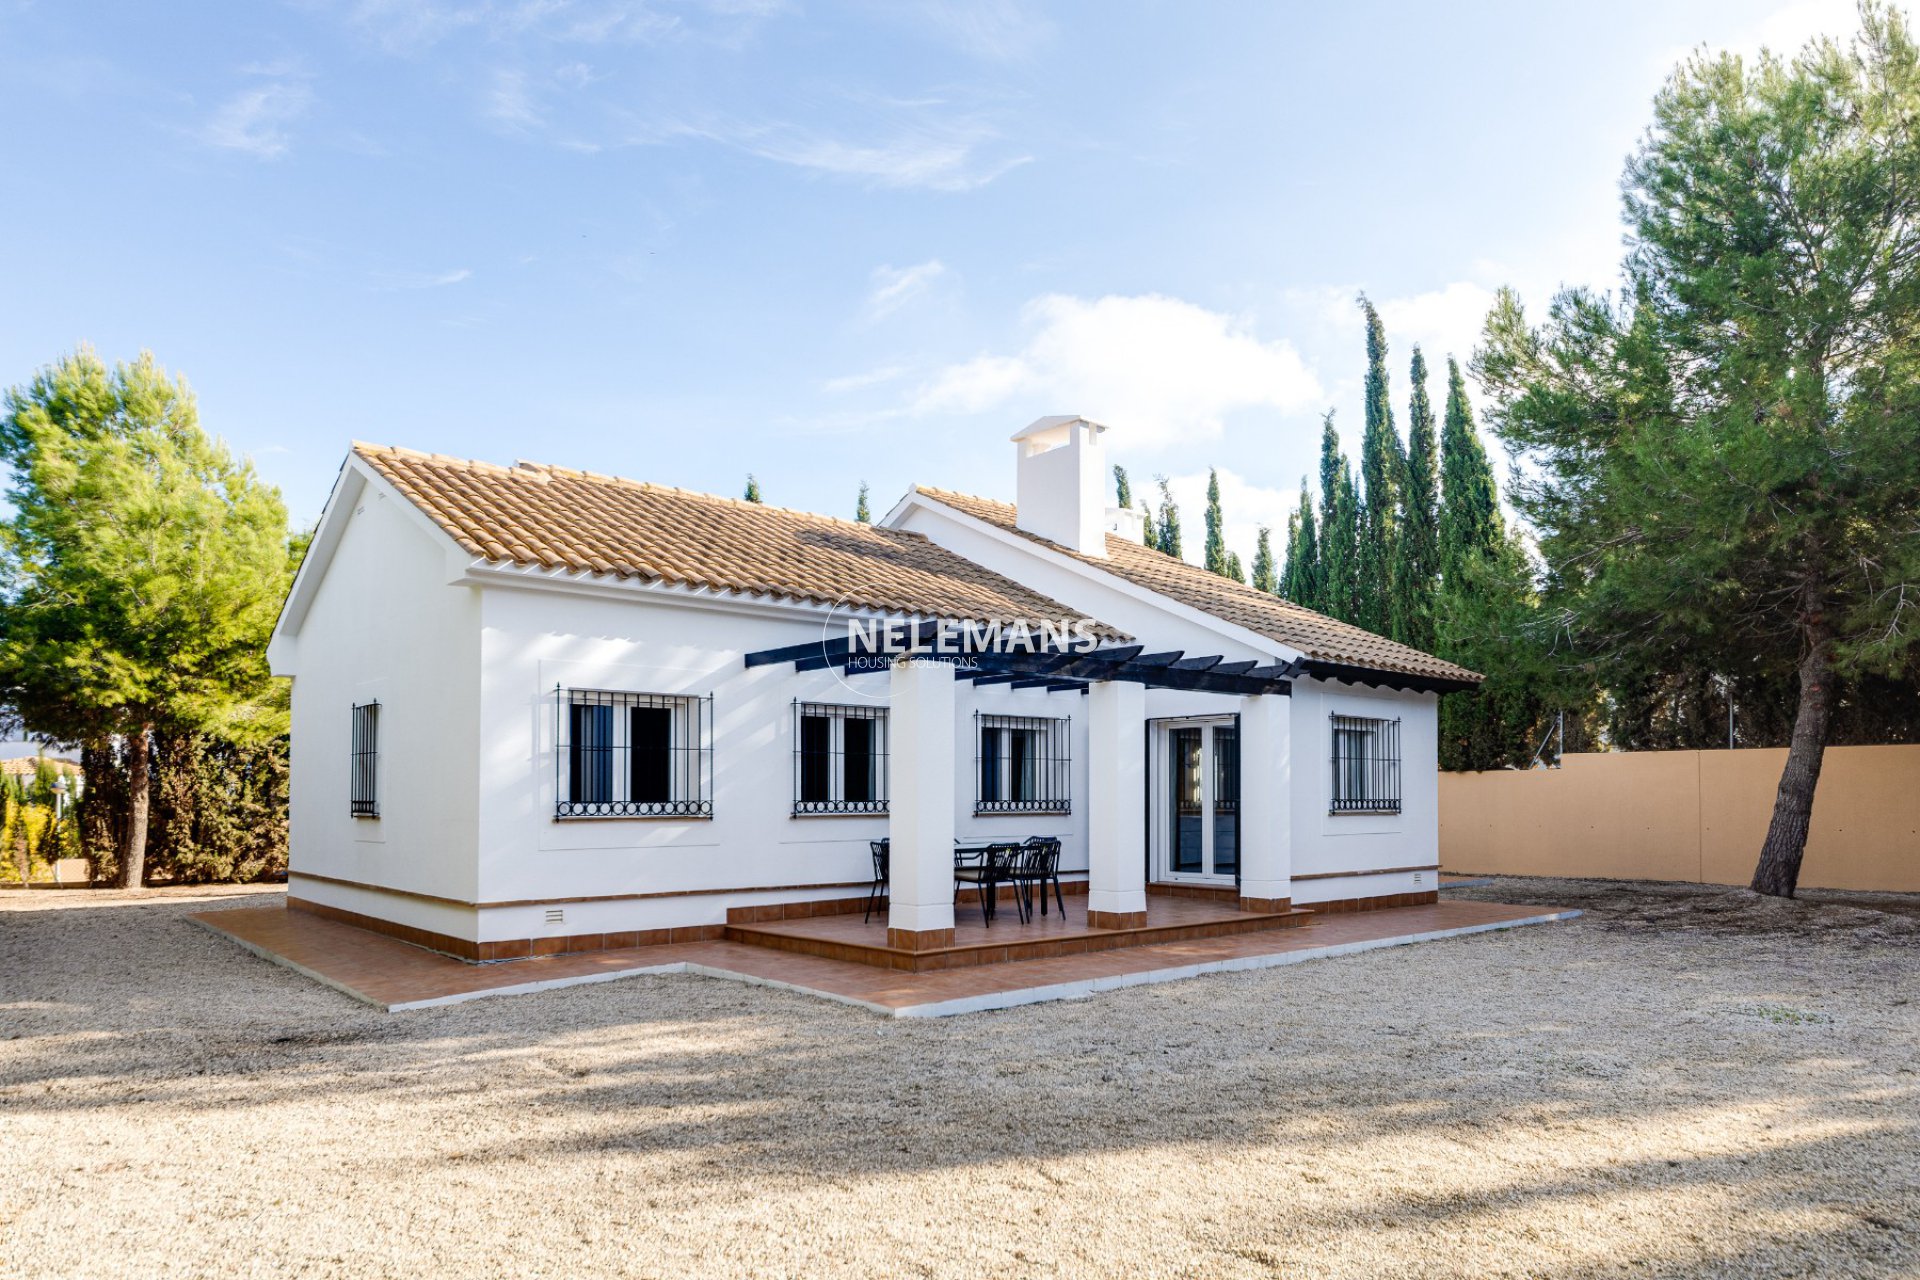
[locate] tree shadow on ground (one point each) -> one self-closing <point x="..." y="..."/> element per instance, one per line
<point x="1570" y="1067"/>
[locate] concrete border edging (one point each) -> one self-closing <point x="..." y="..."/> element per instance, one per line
<point x="1239" y="964"/>
<point x="934" y="1009"/>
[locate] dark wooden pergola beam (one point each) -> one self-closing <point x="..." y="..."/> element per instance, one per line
<point x="1057" y="669"/>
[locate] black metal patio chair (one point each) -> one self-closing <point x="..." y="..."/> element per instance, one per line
<point x="986" y="868"/>
<point x="882" y="869"/>
<point x="1039" y="864"/>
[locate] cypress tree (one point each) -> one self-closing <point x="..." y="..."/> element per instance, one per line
<point x="1300" y="579"/>
<point x="1381" y="466"/>
<point x="1339" y="560"/>
<point x="1169" y="521"/>
<point x="1216" y="528"/>
<point x="860" y="511"/>
<point x="753" y="489"/>
<point x="1470" y="520"/>
<point x="1123" y="491"/>
<point x="1417" y="563"/>
<point x="1487" y="605"/>
<point x="1235" y="570"/>
<point x="1264" y="577"/>
<point x="1290" y="566"/>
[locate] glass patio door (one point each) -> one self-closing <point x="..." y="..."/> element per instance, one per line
<point x="1200" y="814"/>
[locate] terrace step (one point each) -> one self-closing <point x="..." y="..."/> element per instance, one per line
<point x="846" y="938"/>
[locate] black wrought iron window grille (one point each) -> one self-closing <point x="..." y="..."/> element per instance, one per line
<point x="1023" y="764"/>
<point x="632" y="755"/>
<point x="1366" y="765"/>
<point x="839" y="759"/>
<point x="363" y="773"/>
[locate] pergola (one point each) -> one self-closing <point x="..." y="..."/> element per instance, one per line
<point x="1114" y="678"/>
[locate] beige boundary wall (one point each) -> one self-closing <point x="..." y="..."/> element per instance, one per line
<point x="1685" y="815"/>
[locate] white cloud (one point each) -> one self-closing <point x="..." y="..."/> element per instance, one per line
<point x="1246" y="506"/>
<point x="1442" y="322"/>
<point x="940" y="158"/>
<point x="412" y="26"/>
<point x="1784" y="31"/>
<point x="1787" y="29"/>
<point x="510" y="102"/>
<point x="399" y="280"/>
<point x="895" y="287"/>
<point x="861" y="381"/>
<point x="1159" y="369"/>
<point x="939" y="155"/>
<point x="255" y="120"/>
<point x="1002" y="30"/>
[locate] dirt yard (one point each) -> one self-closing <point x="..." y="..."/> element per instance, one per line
<point x="1684" y="1082"/>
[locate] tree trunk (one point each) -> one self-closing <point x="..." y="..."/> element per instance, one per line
<point x="133" y="863"/>
<point x="1779" y="870"/>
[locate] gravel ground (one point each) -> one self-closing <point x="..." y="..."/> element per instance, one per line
<point x="1684" y="1082"/>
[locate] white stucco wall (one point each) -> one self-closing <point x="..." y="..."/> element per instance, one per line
<point x="1325" y="842"/>
<point x="385" y="626"/>
<point x="1321" y="842"/>
<point x="533" y="640"/>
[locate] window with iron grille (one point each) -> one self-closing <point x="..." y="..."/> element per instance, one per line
<point x="1024" y="764"/>
<point x="632" y="755"/>
<point x="363" y="785"/>
<point x="1366" y="765"/>
<point x="839" y="759"/>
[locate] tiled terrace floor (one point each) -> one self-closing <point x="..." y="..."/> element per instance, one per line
<point x="394" y="975"/>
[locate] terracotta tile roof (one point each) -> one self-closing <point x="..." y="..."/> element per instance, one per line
<point x="1313" y="634"/>
<point x="555" y="518"/>
<point x="27" y="766"/>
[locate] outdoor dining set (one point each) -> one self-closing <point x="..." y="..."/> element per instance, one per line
<point x="985" y="865"/>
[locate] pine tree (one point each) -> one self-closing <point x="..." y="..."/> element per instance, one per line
<point x="1169" y="521"/>
<point x="1470" y="521"/>
<point x="1339" y="559"/>
<point x="753" y="488"/>
<point x="1416" y="564"/>
<point x="861" y="512"/>
<point x="143" y="567"/>
<point x="1264" y="577"/>
<point x="1216" y="559"/>
<point x="1381" y="466"/>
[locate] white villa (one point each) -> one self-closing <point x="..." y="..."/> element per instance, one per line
<point x="539" y="710"/>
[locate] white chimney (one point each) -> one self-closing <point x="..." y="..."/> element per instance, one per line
<point x="1062" y="489"/>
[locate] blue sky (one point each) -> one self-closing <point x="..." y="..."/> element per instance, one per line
<point x="824" y="243"/>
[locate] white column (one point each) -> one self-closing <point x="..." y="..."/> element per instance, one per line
<point x="920" y="806"/>
<point x="1266" y="832"/>
<point x="1117" y="795"/>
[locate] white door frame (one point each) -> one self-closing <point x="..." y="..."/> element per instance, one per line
<point x="1160" y="798"/>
